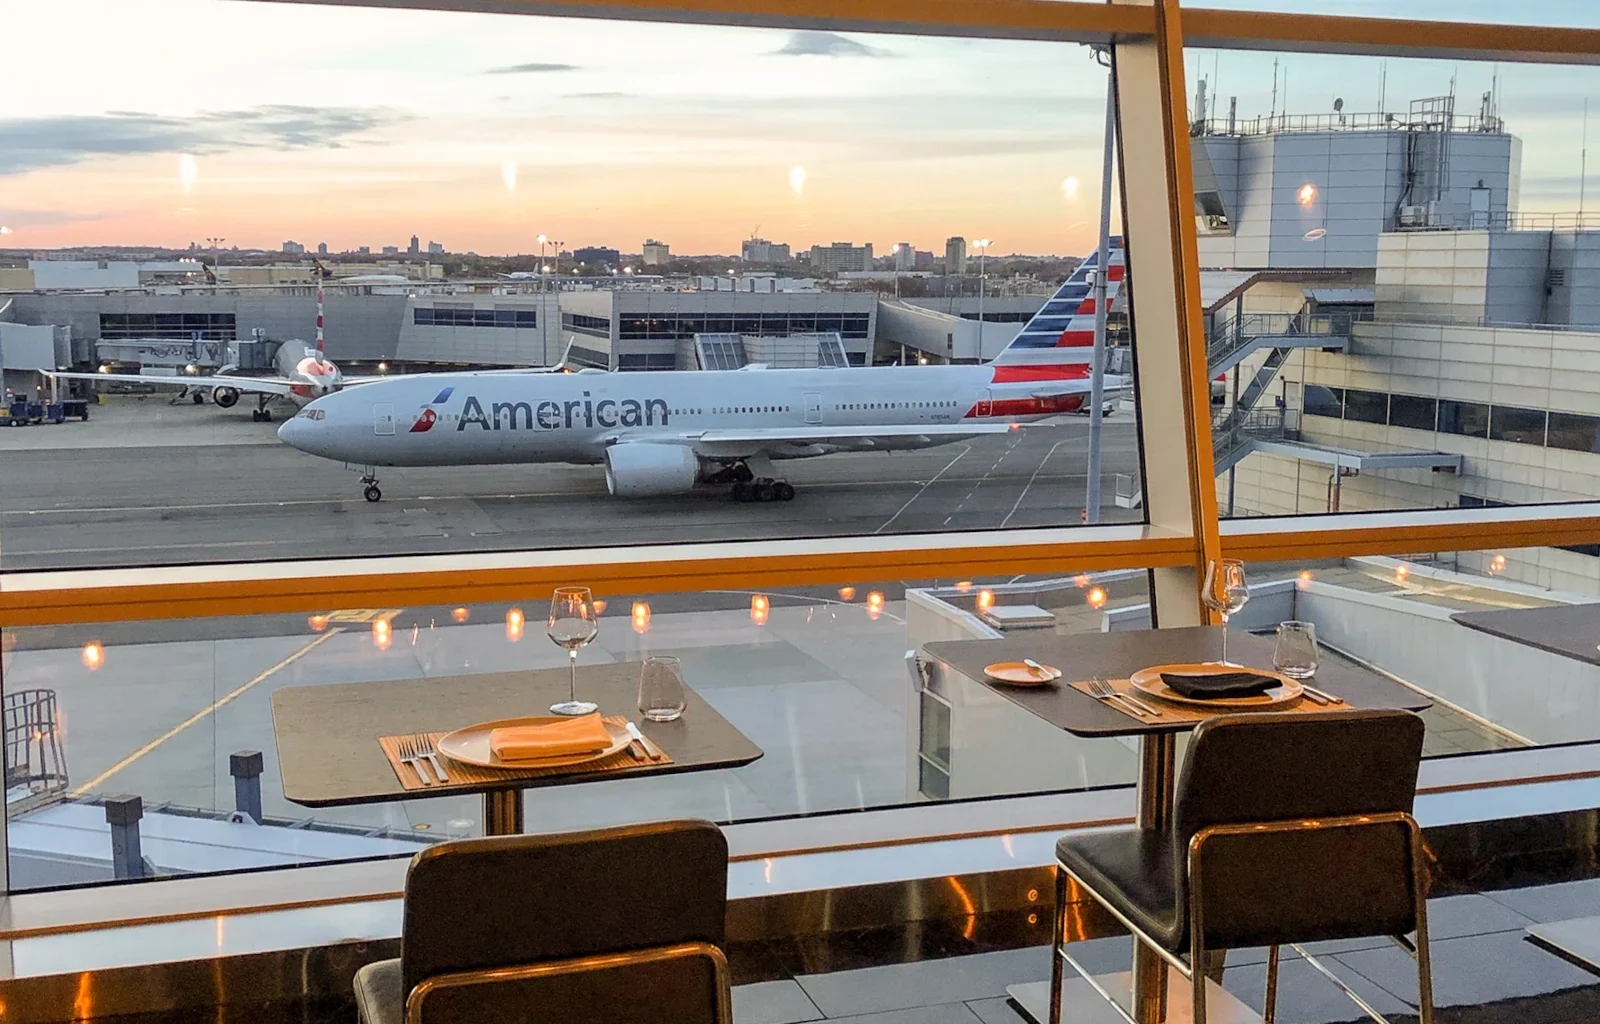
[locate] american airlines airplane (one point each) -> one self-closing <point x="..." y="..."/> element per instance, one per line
<point x="665" y="432"/>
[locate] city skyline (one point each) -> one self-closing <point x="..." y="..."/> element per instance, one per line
<point x="497" y="128"/>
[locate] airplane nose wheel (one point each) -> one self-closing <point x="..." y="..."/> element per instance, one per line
<point x="369" y="478"/>
<point x="372" y="493"/>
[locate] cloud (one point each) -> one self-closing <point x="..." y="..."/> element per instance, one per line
<point x="826" y="44"/>
<point x="28" y="144"/>
<point x="530" y="69"/>
<point x="45" y="218"/>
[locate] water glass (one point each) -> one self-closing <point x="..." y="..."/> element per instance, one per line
<point x="1296" y="653"/>
<point x="661" y="696"/>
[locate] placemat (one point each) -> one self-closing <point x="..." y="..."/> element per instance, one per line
<point x="473" y="775"/>
<point x="1171" y="712"/>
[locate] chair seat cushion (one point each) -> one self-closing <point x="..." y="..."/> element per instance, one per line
<point x="1132" y="871"/>
<point x="379" y="996"/>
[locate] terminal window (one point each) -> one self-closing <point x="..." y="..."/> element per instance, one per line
<point x="184" y="326"/>
<point x="455" y="316"/>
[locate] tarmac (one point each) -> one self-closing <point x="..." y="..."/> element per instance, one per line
<point x="144" y="482"/>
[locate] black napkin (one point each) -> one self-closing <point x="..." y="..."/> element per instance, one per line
<point x="1212" y="685"/>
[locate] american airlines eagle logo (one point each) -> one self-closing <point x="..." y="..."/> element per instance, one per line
<point x="428" y="418"/>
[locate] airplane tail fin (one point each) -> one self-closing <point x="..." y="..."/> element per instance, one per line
<point x="1063" y="329"/>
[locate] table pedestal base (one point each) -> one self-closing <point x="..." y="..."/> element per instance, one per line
<point x="502" y="813"/>
<point x="1081" y="1004"/>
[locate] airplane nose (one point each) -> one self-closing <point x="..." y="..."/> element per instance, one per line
<point x="291" y="427"/>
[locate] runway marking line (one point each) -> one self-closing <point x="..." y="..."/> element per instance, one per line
<point x="966" y="449"/>
<point x="198" y="715"/>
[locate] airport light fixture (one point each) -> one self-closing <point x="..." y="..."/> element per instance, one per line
<point x="982" y="245"/>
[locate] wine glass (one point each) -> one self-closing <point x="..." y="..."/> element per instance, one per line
<point x="573" y="623"/>
<point x="1226" y="592"/>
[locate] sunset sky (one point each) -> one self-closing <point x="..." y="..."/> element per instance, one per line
<point x="138" y="122"/>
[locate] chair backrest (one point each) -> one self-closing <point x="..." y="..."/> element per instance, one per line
<point x="509" y="901"/>
<point x="1305" y="884"/>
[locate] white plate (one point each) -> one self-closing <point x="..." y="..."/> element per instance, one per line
<point x="1148" y="681"/>
<point x="471" y="745"/>
<point x="1018" y="674"/>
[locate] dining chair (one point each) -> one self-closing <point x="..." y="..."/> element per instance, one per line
<point x="1286" y="829"/>
<point x="616" y="925"/>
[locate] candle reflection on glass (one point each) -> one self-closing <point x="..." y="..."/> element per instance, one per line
<point x="874" y="604"/>
<point x="93" y="655"/>
<point x="847" y="593"/>
<point x="985" y="600"/>
<point x="599" y="606"/>
<point x="759" y="607"/>
<point x="515" y="621"/>
<point x="1097" y="598"/>
<point x="460" y="614"/>
<point x="381" y="634"/>
<point x="641" y="617"/>
<point x="318" y="623"/>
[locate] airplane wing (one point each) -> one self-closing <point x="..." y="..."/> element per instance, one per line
<point x="802" y="441"/>
<point x="249" y="385"/>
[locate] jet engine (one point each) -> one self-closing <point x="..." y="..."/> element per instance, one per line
<point x="226" y="398"/>
<point x="640" y="470"/>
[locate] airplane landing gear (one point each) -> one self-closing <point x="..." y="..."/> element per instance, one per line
<point x="763" y="489"/>
<point x="369" y="477"/>
<point x="261" y="414"/>
<point x="199" y="399"/>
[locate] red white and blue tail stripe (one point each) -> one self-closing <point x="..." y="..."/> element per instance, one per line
<point x="1062" y="331"/>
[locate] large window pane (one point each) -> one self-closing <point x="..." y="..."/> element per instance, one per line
<point x="914" y="215"/>
<point x="1395" y="266"/>
<point x="816" y="677"/>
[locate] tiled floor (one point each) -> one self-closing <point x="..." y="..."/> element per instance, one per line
<point x="1484" y="970"/>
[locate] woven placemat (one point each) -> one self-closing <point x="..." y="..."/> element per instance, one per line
<point x="1188" y="713"/>
<point x="473" y="775"/>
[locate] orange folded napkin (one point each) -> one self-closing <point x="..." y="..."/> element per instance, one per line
<point x="562" y="738"/>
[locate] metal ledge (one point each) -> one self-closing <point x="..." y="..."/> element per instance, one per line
<point x="1354" y="458"/>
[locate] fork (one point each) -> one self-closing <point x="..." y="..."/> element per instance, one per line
<point x="408" y="755"/>
<point x="1103" y="691"/>
<point x="426" y="751"/>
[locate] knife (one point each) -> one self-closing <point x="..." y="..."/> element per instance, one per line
<point x="638" y="737"/>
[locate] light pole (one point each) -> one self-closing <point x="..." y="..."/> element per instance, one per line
<point x="216" y="256"/>
<point x="1097" y="372"/>
<point x="982" y="245"/>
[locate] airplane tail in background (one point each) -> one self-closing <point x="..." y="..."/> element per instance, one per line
<point x="1060" y="335"/>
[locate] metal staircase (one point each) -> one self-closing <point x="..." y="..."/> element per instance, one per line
<point x="1235" y="431"/>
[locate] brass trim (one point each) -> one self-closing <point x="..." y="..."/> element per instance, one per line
<point x="221" y="589"/>
<point x="1388" y="37"/>
<point x="577" y="965"/>
<point x="1046" y="20"/>
<point x="1290" y="538"/>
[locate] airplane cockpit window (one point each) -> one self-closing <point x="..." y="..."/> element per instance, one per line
<point x="311" y="414"/>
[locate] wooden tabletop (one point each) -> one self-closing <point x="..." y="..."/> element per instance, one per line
<point x="1570" y="630"/>
<point x="1118" y="655"/>
<point x="328" y="752"/>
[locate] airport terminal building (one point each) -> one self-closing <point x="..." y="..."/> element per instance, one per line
<point x="1423" y="349"/>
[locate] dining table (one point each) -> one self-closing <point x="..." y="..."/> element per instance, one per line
<point x="1569" y="630"/>
<point x="330" y="737"/>
<point x="1116" y="656"/>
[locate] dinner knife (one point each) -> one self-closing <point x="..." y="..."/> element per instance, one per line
<point x="638" y="737"/>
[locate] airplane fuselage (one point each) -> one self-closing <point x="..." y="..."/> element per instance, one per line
<point x="455" y="419"/>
